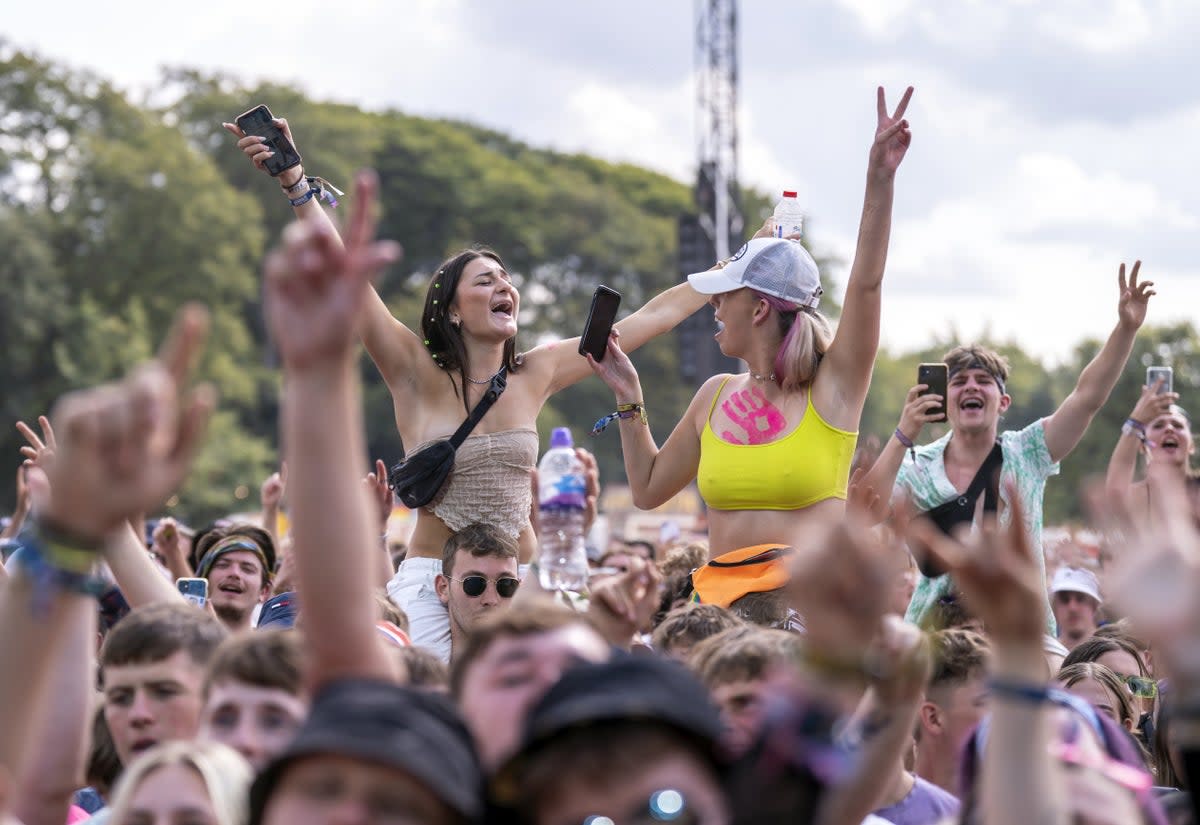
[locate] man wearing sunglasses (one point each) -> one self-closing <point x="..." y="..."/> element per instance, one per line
<point x="479" y="576"/>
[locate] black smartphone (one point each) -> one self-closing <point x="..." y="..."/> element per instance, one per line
<point x="599" y="322"/>
<point x="1164" y="374"/>
<point x="194" y="590"/>
<point x="935" y="377"/>
<point x="259" y="121"/>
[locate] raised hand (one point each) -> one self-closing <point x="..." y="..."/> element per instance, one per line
<point x="919" y="410"/>
<point x="1151" y="404"/>
<point x="1135" y="296"/>
<point x="273" y="488"/>
<point x="124" y="448"/>
<point x="864" y="506"/>
<point x="622" y="605"/>
<point x="617" y="371"/>
<point x="316" y="288"/>
<point x="591" y="477"/>
<point x="892" y="135"/>
<point x="254" y="148"/>
<point x="377" y="487"/>
<point x="39" y="452"/>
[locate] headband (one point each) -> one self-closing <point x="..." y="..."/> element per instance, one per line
<point x="979" y="365"/>
<point x="228" y="545"/>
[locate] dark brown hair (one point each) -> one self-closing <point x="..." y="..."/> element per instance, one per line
<point x="744" y="653"/>
<point x="425" y="670"/>
<point x="443" y="339"/>
<point x="692" y="624"/>
<point x="958" y="656"/>
<point x="271" y="658"/>
<point x="158" y="631"/>
<point x="481" y="541"/>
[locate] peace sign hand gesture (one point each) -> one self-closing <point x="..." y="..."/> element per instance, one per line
<point x="892" y="135"/>
<point x="1135" y="297"/>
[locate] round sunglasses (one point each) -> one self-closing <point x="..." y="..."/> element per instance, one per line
<point x="473" y="586"/>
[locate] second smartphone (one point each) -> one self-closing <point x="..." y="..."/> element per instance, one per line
<point x="601" y="317"/>
<point x="260" y="122"/>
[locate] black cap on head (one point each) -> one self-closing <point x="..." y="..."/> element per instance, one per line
<point x="415" y="732"/>
<point x="647" y="689"/>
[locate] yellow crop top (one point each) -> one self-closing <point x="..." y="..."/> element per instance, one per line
<point x="809" y="464"/>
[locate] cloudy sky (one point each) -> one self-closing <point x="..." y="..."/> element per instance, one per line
<point x="1052" y="140"/>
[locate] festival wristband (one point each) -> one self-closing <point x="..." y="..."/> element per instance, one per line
<point x="625" y="412"/>
<point x="908" y="444"/>
<point x="1027" y="692"/>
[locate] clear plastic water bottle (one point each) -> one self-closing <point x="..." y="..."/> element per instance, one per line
<point x="789" y="220"/>
<point x="562" y="500"/>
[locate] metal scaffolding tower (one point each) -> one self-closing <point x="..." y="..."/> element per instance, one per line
<point x="717" y="227"/>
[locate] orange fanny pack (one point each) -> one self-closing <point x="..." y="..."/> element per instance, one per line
<point x="732" y="575"/>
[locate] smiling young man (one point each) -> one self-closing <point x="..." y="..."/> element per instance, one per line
<point x="238" y="562"/>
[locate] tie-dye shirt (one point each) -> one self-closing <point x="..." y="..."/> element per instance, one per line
<point x="1027" y="464"/>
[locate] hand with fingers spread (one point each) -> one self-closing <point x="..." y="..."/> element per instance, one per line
<point x="316" y="289"/>
<point x="1135" y="297"/>
<point x="996" y="571"/>
<point x="255" y="148"/>
<point x="39" y="452"/>
<point x="124" y="448"/>
<point x="376" y="484"/>
<point x="618" y="372"/>
<point x="892" y="135"/>
<point x="864" y="506"/>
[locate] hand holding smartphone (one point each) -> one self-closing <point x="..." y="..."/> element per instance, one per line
<point x="936" y="378"/>
<point x="260" y="122"/>
<point x="193" y="590"/>
<point x="601" y="317"/>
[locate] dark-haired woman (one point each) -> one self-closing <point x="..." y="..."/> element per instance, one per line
<point x="436" y="376"/>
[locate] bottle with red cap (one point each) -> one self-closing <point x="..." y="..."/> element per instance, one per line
<point x="789" y="219"/>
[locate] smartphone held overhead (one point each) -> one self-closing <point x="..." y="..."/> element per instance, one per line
<point x="260" y="122"/>
<point x="1163" y="377"/>
<point x="601" y="317"/>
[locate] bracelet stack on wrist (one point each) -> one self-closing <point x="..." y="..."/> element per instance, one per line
<point x="634" y="410"/>
<point x="56" y="560"/>
<point x="1134" y="428"/>
<point x="309" y="187"/>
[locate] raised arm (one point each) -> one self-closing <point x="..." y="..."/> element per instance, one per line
<point x="394" y="348"/>
<point x="913" y="418"/>
<point x="654" y="474"/>
<point x="1067" y="424"/>
<point x="1123" y="463"/>
<point x="316" y="297"/>
<point x="852" y="354"/>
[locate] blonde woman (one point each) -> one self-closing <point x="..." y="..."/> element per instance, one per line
<point x="201" y="783"/>
<point x="771" y="448"/>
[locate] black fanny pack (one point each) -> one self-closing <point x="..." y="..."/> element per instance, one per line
<point x="961" y="509"/>
<point x="417" y="479"/>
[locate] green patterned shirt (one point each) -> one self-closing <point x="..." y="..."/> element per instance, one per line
<point x="1027" y="463"/>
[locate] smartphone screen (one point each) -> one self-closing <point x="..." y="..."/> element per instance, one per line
<point x="1165" y="374"/>
<point x="599" y="322"/>
<point x="259" y="121"/>
<point x="194" y="590"/>
<point x="935" y="377"/>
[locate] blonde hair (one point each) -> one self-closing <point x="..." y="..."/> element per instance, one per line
<point x="806" y="338"/>
<point x="225" y="774"/>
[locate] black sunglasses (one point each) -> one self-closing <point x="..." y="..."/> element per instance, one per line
<point x="474" y="586"/>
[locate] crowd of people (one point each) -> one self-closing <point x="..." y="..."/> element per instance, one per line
<point x="857" y="640"/>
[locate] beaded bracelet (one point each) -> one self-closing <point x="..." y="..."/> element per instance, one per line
<point x="635" y="410"/>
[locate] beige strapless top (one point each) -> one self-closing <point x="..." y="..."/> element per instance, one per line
<point x="490" y="482"/>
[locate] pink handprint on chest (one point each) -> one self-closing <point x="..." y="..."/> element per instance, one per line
<point x="750" y="410"/>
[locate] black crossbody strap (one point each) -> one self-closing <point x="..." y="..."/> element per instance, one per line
<point x="499" y="382"/>
<point x="986" y="481"/>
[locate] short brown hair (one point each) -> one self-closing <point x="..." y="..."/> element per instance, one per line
<point x="425" y="670"/>
<point x="480" y="540"/>
<point x="271" y="658"/>
<point x="977" y="356"/>
<point x="744" y="653"/>
<point x="252" y="532"/>
<point x="158" y="631"/>
<point x="685" y="559"/>
<point x="958" y="657"/>
<point x="692" y="624"/>
<point x="531" y="618"/>
<point x="767" y="608"/>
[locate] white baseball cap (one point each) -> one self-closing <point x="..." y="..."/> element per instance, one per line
<point x="774" y="266"/>
<point x="1076" y="580"/>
